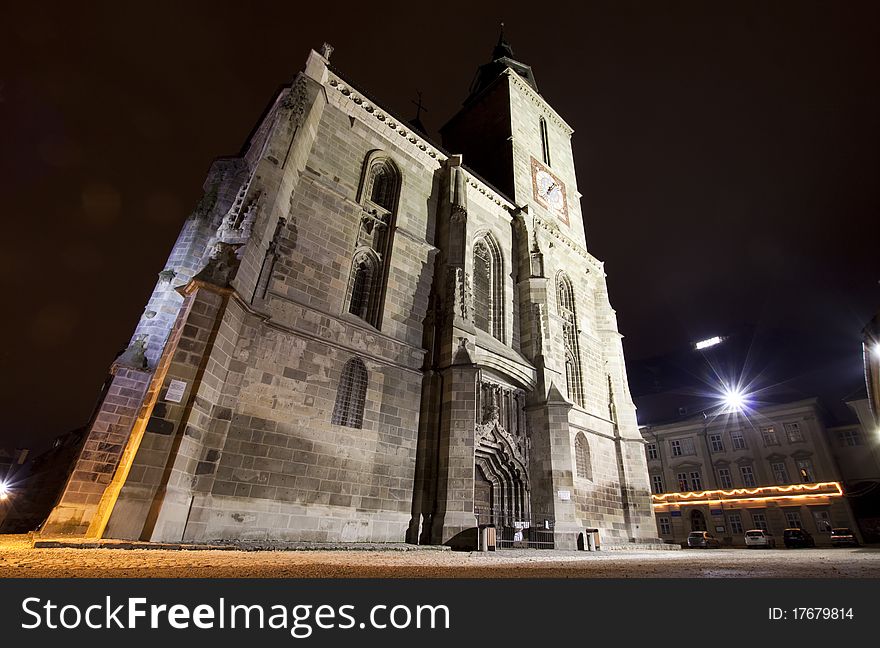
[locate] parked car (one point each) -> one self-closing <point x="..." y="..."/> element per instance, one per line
<point x="843" y="537"/>
<point x="702" y="540"/>
<point x="760" y="538"/>
<point x="794" y="538"/>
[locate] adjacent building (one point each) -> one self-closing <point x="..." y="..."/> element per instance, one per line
<point x="772" y="467"/>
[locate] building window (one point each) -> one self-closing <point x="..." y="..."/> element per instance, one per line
<point x="657" y="484"/>
<point x="736" y="523"/>
<point x="823" y="521"/>
<point x="364" y="295"/>
<point x="849" y="438"/>
<point x="759" y="521"/>
<point x="545" y="142"/>
<point x="681" y="447"/>
<point x="805" y="470"/>
<point x="582" y="457"/>
<point x="716" y="443"/>
<point x="651" y="449"/>
<point x="682" y="481"/>
<point x="351" y="395"/>
<point x="748" y="476"/>
<point x="664" y="526"/>
<point x="379" y="192"/>
<point x="780" y="473"/>
<point x="570" y="339"/>
<point x="793" y="432"/>
<point x="738" y="440"/>
<point x="696" y="482"/>
<point x="489" y="287"/>
<point x="793" y="520"/>
<point x="724" y="478"/>
<point x="769" y="436"/>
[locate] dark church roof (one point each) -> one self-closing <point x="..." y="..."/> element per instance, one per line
<point x="502" y="58"/>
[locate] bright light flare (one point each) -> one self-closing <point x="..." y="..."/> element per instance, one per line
<point x="734" y="399"/>
<point x="876" y="350"/>
<point x="708" y="342"/>
<point x="4" y="491"/>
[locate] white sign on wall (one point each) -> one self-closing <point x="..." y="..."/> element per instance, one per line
<point x="176" y="388"/>
<point x="565" y="495"/>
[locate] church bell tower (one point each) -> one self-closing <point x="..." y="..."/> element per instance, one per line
<point x="587" y="471"/>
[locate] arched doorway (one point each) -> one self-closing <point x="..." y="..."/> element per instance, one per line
<point x="698" y="521"/>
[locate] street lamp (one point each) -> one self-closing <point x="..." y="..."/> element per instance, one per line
<point x="4" y="491"/>
<point x="734" y="399"/>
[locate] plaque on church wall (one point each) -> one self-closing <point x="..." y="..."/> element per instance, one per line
<point x="175" y="391"/>
<point x="565" y="495"/>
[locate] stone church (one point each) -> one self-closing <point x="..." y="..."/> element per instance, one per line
<point x="360" y="336"/>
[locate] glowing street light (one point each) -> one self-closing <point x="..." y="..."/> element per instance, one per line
<point x="708" y="342"/>
<point x="734" y="399"/>
<point x="4" y="491"/>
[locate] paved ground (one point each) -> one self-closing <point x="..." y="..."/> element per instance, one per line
<point x="18" y="559"/>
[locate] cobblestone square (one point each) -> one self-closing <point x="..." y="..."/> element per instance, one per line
<point x="19" y="560"/>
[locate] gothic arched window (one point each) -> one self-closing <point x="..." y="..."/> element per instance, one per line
<point x="382" y="181"/>
<point x="379" y="195"/>
<point x="582" y="457"/>
<point x="351" y="395"/>
<point x="489" y="287"/>
<point x="382" y="191"/>
<point x="363" y="299"/>
<point x="568" y="313"/>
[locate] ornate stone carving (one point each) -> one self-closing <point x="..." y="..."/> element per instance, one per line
<point x="538" y="326"/>
<point x="295" y="101"/>
<point x="459" y="292"/>
<point x="222" y="265"/>
<point x="494" y="434"/>
<point x="536" y="256"/>
<point x="167" y="275"/>
<point x="135" y="355"/>
<point x="239" y="220"/>
<point x="459" y="196"/>
<point x="326" y="50"/>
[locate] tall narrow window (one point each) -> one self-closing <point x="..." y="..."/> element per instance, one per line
<point x="488" y="287"/>
<point x="568" y="313"/>
<point x="656" y="484"/>
<point x="379" y="197"/>
<point x="364" y="297"/>
<point x="360" y="291"/>
<point x="545" y="142"/>
<point x="383" y="189"/>
<point x="351" y="395"/>
<point x="582" y="457"/>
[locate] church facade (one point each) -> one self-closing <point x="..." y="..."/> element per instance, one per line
<point x="362" y="337"/>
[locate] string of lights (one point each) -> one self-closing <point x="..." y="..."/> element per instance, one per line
<point x="761" y="493"/>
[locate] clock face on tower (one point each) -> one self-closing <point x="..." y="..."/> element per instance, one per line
<point x="549" y="191"/>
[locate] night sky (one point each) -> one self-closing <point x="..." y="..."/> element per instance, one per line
<point x="728" y="154"/>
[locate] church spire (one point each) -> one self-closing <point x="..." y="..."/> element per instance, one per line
<point x="502" y="58"/>
<point x="503" y="48"/>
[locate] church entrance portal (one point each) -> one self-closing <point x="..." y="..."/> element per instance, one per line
<point x="501" y="479"/>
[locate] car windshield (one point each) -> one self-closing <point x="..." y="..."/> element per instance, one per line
<point x="841" y="532"/>
<point x="696" y="534"/>
<point x="754" y="534"/>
